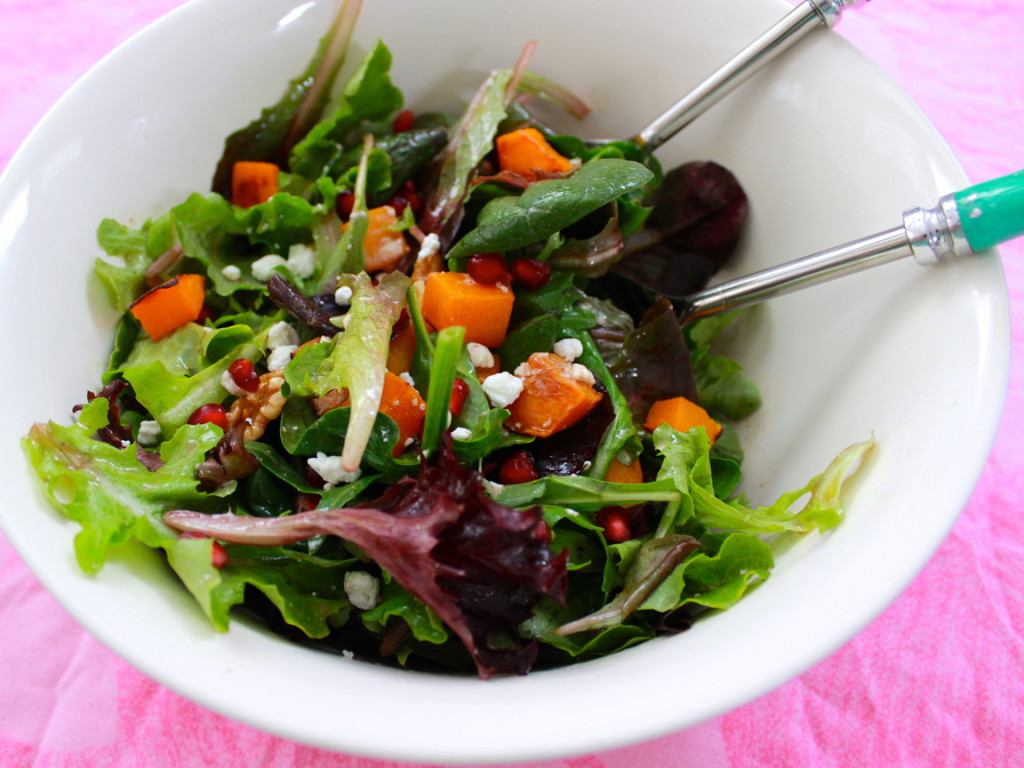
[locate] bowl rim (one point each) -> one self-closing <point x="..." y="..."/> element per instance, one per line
<point x="612" y="736"/>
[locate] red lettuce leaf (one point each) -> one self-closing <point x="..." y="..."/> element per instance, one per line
<point x="479" y="565"/>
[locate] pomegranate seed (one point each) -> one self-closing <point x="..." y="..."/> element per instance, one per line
<point x="518" y="469"/>
<point x="306" y="502"/>
<point x="487" y="268"/>
<point x="615" y="521"/>
<point x="412" y="197"/>
<point x="206" y="313"/>
<point x="542" y="532"/>
<point x="211" y="413"/>
<point x="532" y="273"/>
<point x="244" y="374"/>
<point x="404" y="121"/>
<point x="399" y="204"/>
<point x="312" y="477"/>
<point x="218" y="555"/>
<point x="460" y="391"/>
<point x="345" y="203"/>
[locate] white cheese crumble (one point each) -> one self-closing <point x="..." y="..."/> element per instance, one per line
<point x="581" y="373"/>
<point x="279" y="357"/>
<point x="569" y="348"/>
<point x="407" y="378"/>
<point x="228" y="382"/>
<point x="282" y="335"/>
<point x="149" y="432"/>
<point x="362" y="590"/>
<point x="263" y="268"/>
<point x="479" y="355"/>
<point x="301" y="260"/>
<point x="231" y="272"/>
<point x="330" y="469"/>
<point x="502" y="389"/>
<point x="461" y="433"/>
<point x="429" y="247"/>
<point x="343" y="296"/>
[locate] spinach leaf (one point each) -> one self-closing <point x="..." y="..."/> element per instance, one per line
<point x="269" y="137"/>
<point x="549" y="206"/>
<point x="369" y="95"/>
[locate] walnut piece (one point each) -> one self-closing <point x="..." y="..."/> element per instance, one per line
<point x="257" y="409"/>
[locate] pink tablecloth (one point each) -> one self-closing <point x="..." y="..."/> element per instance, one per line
<point x="937" y="680"/>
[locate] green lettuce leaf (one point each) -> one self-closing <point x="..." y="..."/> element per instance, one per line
<point x="359" y="355"/>
<point x="108" y="491"/>
<point x="171" y="399"/>
<point x="132" y="252"/>
<point x="687" y="463"/>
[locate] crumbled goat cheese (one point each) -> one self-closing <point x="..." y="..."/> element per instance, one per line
<point x="263" y="268"/>
<point x="430" y="246"/>
<point x="479" y="355"/>
<point x="502" y="389"/>
<point x="149" y="432"/>
<point x="581" y="373"/>
<point x="330" y="469"/>
<point x="279" y="357"/>
<point x="228" y="382"/>
<point x="407" y="378"/>
<point x="301" y="260"/>
<point x="569" y="348"/>
<point x="362" y="590"/>
<point x="343" y="296"/>
<point x="461" y="433"/>
<point x="282" y="335"/>
<point x="231" y="272"/>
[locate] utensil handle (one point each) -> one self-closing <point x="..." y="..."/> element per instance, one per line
<point x="992" y="212"/>
<point x="801" y="273"/>
<point x="965" y="222"/>
<point x="794" y="26"/>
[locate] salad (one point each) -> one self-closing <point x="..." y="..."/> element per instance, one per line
<point x="395" y="385"/>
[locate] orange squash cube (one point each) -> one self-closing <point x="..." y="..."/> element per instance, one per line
<point x="252" y="183"/>
<point x="403" y="404"/>
<point x="527" y="153"/>
<point x="383" y="247"/>
<point x="170" y="305"/>
<point x="554" y="396"/>
<point x="681" y="414"/>
<point x="455" y="298"/>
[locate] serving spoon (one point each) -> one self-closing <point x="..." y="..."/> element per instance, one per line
<point x="805" y="18"/>
<point x="962" y="223"/>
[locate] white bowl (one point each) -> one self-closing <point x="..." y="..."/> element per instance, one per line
<point x="828" y="149"/>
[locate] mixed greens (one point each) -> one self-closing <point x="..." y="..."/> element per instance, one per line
<point x="393" y="388"/>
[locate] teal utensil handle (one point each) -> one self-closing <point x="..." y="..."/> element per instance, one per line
<point x="992" y="212"/>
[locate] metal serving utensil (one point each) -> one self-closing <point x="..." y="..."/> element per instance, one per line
<point x="962" y="223"/>
<point x="807" y="17"/>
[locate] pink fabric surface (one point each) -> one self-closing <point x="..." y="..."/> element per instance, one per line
<point x="935" y="681"/>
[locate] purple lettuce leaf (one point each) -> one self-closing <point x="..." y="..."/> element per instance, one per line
<point x="479" y="565"/>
